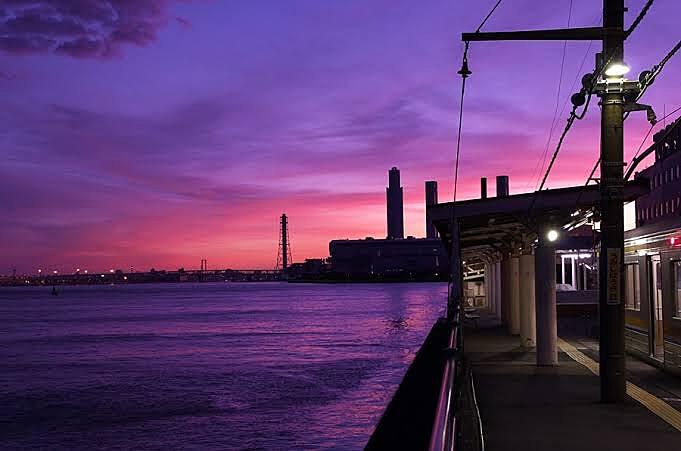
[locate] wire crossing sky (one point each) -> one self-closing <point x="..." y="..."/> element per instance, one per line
<point x="156" y="133"/>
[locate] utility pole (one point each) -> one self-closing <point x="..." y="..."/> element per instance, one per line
<point x="611" y="291"/>
<point x="611" y="259"/>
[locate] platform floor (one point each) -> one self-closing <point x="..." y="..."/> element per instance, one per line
<point x="525" y="407"/>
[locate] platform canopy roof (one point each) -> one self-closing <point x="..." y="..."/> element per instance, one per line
<point x="498" y="223"/>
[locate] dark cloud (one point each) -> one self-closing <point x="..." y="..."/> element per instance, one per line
<point x="79" y="28"/>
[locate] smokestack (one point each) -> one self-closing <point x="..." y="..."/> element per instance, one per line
<point x="502" y="186"/>
<point x="395" y="208"/>
<point x="431" y="199"/>
<point x="483" y="188"/>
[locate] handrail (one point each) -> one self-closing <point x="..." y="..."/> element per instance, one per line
<point x="445" y="426"/>
<point x="478" y="418"/>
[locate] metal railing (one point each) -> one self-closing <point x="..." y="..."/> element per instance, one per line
<point x="445" y="426"/>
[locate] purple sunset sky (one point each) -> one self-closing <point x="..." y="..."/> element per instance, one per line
<point x="156" y="132"/>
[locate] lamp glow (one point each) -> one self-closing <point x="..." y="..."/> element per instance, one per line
<point x="617" y="70"/>
<point x="552" y="235"/>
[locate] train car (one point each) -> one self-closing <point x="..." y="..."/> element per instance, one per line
<point x="653" y="259"/>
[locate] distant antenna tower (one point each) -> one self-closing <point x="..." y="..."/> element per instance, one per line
<point x="284" y="257"/>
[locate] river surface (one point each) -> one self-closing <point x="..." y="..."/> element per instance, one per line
<point x="224" y="366"/>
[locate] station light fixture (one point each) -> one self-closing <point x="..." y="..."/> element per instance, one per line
<point x="552" y="235"/>
<point x="617" y="69"/>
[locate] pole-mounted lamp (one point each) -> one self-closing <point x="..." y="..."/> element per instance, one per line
<point x="617" y="69"/>
<point x="552" y="235"/>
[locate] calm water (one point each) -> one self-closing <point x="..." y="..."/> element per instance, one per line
<point x="218" y="366"/>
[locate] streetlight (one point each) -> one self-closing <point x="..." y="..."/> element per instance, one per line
<point x="552" y="235"/>
<point x="617" y="69"/>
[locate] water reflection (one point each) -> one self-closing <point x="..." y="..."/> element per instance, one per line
<point x="269" y="366"/>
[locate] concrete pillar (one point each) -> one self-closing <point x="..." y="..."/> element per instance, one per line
<point x="514" y="280"/>
<point x="497" y="288"/>
<point x="527" y="313"/>
<point x="489" y="290"/>
<point x="545" y="296"/>
<point x="506" y="291"/>
<point x="456" y="288"/>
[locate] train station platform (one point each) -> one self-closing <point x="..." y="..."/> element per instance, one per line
<point x="523" y="406"/>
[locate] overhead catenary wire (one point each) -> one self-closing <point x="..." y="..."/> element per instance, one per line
<point x="648" y="77"/>
<point x="489" y="14"/>
<point x="638" y="150"/>
<point x="594" y="78"/>
<point x="639" y="18"/>
<point x="638" y="159"/>
<point x="465" y="73"/>
<point x="555" y="111"/>
<point x="650" y="130"/>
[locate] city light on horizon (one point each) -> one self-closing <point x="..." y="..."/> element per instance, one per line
<point x="319" y="143"/>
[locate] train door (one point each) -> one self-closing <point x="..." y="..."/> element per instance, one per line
<point x="656" y="329"/>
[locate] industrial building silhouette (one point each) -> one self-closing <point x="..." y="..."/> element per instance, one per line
<point x="394" y="257"/>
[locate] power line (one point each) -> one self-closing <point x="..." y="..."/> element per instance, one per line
<point x="589" y="91"/>
<point x="650" y="130"/>
<point x="598" y="161"/>
<point x="639" y="18"/>
<point x="647" y="78"/>
<point x="489" y="14"/>
<point x="638" y="159"/>
<point x="560" y="83"/>
<point x="542" y="159"/>
<point x="465" y="73"/>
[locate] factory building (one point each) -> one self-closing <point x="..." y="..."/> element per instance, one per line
<point x="393" y="257"/>
<point x="412" y="257"/>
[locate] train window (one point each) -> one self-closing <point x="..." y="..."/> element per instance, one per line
<point x="632" y="294"/>
<point x="677" y="289"/>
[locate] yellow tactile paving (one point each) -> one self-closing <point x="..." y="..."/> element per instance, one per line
<point x="651" y="402"/>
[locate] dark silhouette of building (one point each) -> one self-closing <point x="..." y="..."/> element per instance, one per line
<point x="431" y="199"/>
<point x="393" y="258"/>
<point x="664" y="200"/>
<point x="410" y="258"/>
<point x="395" y="207"/>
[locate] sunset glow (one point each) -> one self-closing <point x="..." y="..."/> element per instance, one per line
<point x="188" y="140"/>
